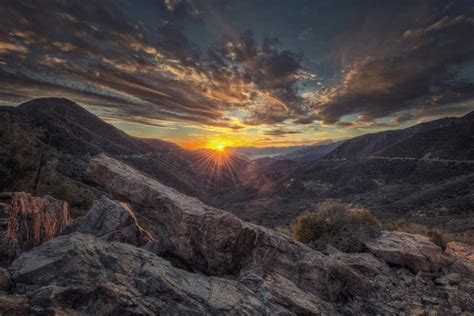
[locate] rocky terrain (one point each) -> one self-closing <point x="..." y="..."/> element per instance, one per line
<point x="158" y="251"/>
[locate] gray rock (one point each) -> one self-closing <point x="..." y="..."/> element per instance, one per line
<point x="27" y="221"/>
<point x="112" y="221"/>
<point x="218" y="243"/>
<point x="449" y="279"/>
<point x="365" y="263"/>
<point x="4" y="279"/>
<point x="461" y="257"/>
<point x="85" y="275"/>
<point x="414" y="252"/>
<point x="14" y="305"/>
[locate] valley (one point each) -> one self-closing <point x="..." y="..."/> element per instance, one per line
<point x="433" y="188"/>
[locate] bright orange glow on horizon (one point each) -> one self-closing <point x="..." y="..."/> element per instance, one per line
<point x="227" y="143"/>
<point x="219" y="165"/>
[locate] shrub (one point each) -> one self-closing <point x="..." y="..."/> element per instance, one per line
<point x="336" y="224"/>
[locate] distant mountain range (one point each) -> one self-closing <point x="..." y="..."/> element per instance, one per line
<point x="283" y="152"/>
<point x="424" y="173"/>
<point x="447" y="138"/>
<point x="252" y="153"/>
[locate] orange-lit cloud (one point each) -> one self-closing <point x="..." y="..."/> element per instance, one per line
<point x="248" y="88"/>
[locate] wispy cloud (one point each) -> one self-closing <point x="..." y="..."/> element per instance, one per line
<point x="128" y="69"/>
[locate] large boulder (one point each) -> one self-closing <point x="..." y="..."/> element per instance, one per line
<point x="110" y="220"/>
<point x="27" y="221"/>
<point x="83" y="275"/>
<point x="215" y="242"/>
<point x="415" y="252"/>
<point x="461" y="257"/>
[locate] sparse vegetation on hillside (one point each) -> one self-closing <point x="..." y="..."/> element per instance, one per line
<point x="336" y="224"/>
<point x="28" y="164"/>
<point x="19" y="156"/>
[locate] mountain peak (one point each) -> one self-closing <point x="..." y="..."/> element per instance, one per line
<point x="50" y="103"/>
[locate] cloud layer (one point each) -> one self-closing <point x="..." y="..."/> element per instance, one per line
<point x="149" y="64"/>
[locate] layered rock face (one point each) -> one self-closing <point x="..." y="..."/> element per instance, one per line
<point x="27" y="221"/>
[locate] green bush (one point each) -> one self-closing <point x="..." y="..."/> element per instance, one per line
<point x="336" y="224"/>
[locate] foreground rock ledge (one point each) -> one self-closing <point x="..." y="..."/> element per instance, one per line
<point x="83" y="275"/>
<point x="215" y="242"/>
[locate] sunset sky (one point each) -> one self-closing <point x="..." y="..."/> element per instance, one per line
<point x="263" y="73"/>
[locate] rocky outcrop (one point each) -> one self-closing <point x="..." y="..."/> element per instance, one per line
<point x="414" y="252"/>
<point x="217" y="243"/>
<point x="27" y="221"/>
<point x="111" y="221"/>
<point x="365" y="263"/>
<point x="83" y="275"/>
<point x="4" y="279"/>
<point x="11" y="304"/>
<point x="199" y="260"/>
<point x="14" y="305"/>
<point x="461" y="257"/>
<point x="86" y="275"/>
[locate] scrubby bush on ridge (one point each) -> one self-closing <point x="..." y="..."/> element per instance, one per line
<point x="336" y="224"/>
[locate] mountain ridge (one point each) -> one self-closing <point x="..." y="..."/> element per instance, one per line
<point x="271" y="191"/>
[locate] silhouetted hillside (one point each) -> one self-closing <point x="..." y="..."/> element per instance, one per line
<point x="438" y="137"/>
<point x="312" y="152"/>
<point x="62" y="136"/>
<point x="423" y="173"/>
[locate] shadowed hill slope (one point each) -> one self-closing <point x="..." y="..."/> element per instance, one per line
<point x="63" y="135"/>
<point x="449" y="138"/>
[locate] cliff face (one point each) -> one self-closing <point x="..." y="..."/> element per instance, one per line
<point x="167" y="253"/>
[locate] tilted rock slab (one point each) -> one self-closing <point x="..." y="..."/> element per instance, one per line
<point x="27" y="221"/>
<point x="414" y="252"/>
<point x="216" y="242"/>
<point x="112" y="221"/>
<point x="79" y="274"/>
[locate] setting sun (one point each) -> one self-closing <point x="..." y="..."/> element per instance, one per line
<point x="220" y="147"/>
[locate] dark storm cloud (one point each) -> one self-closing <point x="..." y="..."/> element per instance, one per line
<point x="268" y="67"/>
<point x="417" y="72"/>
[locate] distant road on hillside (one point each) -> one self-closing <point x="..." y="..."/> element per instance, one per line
<point x="422" y="159"/>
